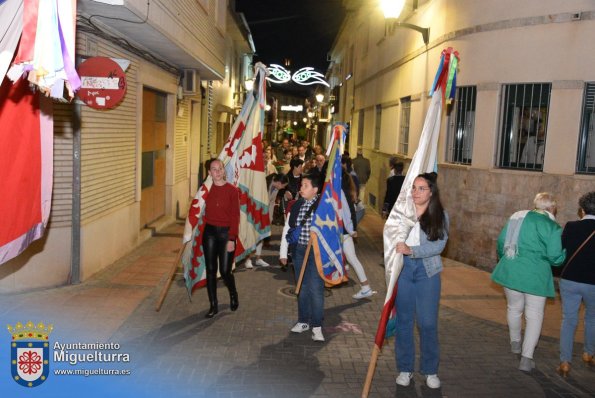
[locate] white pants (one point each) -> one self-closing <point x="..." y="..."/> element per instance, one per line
<point x="362" y="193"/>
<point x="533" y="307"/>
<point x="349" y="250"/>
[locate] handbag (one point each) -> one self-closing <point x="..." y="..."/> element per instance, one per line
<point x="293" y="233"/>
<point x="576" y="252"/>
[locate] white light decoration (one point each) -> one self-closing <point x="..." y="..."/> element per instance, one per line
<point x="292" y="108"/>
<point x="295" y="123"/>
<point x="308" y="76"/>
<point x="319" y="97"/>
<point x="267" y="107"/>
<point x="279" y="74"/>
<point x="392" y="8"/>
<point x="305" y="76"/>
<point x="305" y="119"/>
<point x="249" y="84"/>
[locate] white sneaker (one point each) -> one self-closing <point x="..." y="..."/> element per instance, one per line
<point x="404" y="378"/>
<point x="433" y="381"/>
<point x="248" y="264"/>
<point x="261" y="263"/>
<point x="363" y="293"/>
<point x="317" y="334"/>
<point x="300" y="327"/>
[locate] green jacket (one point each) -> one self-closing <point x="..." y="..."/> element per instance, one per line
<point x="539" y="247"/>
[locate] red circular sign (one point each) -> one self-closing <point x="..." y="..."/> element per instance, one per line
<point x="103" y="83"/>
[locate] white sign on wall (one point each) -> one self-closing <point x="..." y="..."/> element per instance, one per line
<point x="292" y="108"/>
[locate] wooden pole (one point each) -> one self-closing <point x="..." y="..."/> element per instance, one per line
<point x="170" y="278"/>
<point x="298" y="286"/>
<point x="371" y="370"/>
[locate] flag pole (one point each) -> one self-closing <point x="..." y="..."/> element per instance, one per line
<point x="378" y="343"/>
<point x="371" y="370"/>
<point x="298" y="285"/>
<point x="170" y="278"/>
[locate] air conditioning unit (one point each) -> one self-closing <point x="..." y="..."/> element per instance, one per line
<point x="189" y="83"/>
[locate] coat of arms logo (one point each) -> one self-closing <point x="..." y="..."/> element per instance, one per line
<point x="30" y="353"/>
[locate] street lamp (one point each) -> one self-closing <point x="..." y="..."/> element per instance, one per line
<point x="392" y="10"/>
<point x="249" y="84"/>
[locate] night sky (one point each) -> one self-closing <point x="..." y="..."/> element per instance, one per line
<point x="300" y="30"/>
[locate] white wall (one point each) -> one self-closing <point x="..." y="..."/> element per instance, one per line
<point x="107" y="239"/>
<point x="46" y="262"/>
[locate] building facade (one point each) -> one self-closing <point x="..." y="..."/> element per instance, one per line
<point x="522" y="121"/>
<point x="122" y="172"/>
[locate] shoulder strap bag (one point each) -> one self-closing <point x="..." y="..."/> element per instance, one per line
<point x="576" y="252"/>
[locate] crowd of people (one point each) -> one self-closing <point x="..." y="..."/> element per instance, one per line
<point x="530" y="244"/>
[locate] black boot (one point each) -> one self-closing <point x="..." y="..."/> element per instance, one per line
<point x="213" y="310"/>
<point x="212" y="292"/>
<point x="233" y="294"/>
<point x="233" y="301"/>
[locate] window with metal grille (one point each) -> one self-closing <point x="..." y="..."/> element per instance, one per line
<point x="360" y="128"/>
<point x="586" y="140"/>
<point x="404" y="126"/>
<point x="461" y="125"/>
<point x="523" y="117"/>
<point x="377" y="126"/>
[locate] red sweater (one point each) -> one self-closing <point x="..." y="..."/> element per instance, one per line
<point x="223" y="208"/>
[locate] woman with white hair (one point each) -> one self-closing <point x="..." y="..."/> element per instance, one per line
<point x="528" y="246"/>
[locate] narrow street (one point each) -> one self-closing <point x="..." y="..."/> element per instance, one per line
<point x="251" y="353"/>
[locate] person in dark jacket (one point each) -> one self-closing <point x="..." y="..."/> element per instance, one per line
<point x="577" y="283"/>
<point x="294" y="177"/>
<point x="394" y="182"/>
<point x="362" y="168"/>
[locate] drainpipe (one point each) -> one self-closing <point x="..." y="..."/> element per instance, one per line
<point x="75" y="248"/>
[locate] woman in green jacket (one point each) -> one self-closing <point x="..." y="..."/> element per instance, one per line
<point x="528" y="246"/>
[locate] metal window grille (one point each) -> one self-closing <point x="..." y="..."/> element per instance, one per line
<point x="377" y="127"/>
<point x="523" y="116"/>
<point x="586" y="140"/>
<point x="461" y="125"/>
<point x="404" y="127"/>
<point x="360" y="128"/>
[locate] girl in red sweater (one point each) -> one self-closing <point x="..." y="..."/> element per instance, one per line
<point x="222" y="219"/>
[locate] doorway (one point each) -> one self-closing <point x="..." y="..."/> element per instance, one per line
<point x="152" y="204"/>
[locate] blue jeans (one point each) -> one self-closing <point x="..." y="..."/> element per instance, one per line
<point x="311" y="297"/>
<point x="572" y="294"/>
<point x="418" y="298"/>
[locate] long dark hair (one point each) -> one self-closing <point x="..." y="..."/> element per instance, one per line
<point x="348" y="186"/>
<point x="432" y="221"/>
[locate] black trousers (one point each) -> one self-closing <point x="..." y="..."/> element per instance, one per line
<point x="214" y="246"/>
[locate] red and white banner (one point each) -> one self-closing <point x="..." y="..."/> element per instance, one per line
<point x="26" y="166"/>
